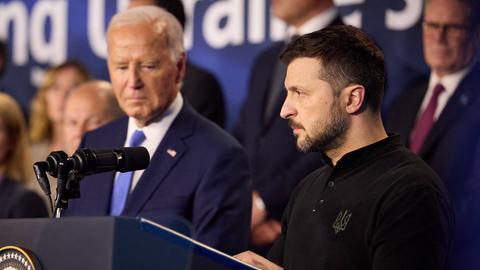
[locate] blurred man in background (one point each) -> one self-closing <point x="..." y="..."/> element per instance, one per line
<point x="438" y="117"/>
<point x="88" y="106"/>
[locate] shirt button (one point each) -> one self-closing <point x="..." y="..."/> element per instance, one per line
<point x="331" y="184"/>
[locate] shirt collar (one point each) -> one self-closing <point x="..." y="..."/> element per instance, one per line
<point x="155" y="131"/>
<point x="450" y="81"/>
<point x="365" y="154"/>
<point x="318" y="22"/>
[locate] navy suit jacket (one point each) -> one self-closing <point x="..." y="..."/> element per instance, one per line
<point x="449" y="149"/>
<point x="277" y="165"/>
<point x="206" y="182"/>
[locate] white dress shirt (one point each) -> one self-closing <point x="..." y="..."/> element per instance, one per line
<point x="154" y="132"/>
<point x="450" y="82"/>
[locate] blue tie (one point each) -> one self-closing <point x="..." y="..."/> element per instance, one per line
<point x="121" y="188"/>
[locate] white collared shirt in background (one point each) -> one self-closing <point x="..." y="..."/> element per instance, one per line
<point x="450" y="82"/>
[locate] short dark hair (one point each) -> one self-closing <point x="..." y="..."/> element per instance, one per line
<point x="175" y="7"/>
<point x="347" y="56"/>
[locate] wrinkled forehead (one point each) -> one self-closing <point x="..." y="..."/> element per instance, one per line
<point x="149" y="31"/>
<point x="448" y="11"/>
<point x="137" y="41"/>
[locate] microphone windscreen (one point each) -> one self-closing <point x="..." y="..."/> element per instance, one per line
<point x="135" y="158"/>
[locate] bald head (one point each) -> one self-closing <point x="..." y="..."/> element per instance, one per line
<point x="87" y="107"/>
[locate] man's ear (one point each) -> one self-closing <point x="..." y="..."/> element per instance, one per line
<point x="354" y="96"/>
<point x="181" y="67"/>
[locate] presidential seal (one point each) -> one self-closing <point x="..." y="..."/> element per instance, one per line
<point x="15" y="258"/>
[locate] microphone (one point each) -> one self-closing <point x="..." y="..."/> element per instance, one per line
<point x="91" y="161"/>
<point x="51" y="166"/>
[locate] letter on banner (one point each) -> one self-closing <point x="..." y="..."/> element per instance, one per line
<point x="96" y="27"/>
<point x="406" y="18"/>
<point x="15" y="12"/>
<point x="354" y="18"/>
<point x="55" y="50"/>
<point x="256" y="21"/>
<point x="232" y="33"/>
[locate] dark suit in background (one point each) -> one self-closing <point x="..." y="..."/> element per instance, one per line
<point x="449" y="149"/>
<point x="448" y="143"/>
<point x="202" y="90"/>
<point x="16" y="201"/>
<point x="206" y="182"/>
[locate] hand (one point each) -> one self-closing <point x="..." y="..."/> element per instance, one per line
<point x="259" y="213"/>
<point x="265" y="233"/>
<point x="257" y="261"/>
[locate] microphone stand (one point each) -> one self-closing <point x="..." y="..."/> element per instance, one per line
<point x="61" y="202"/>
<point x="68" y="186"/>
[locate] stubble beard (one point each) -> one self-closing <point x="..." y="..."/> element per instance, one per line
<point x="330" y="135"/>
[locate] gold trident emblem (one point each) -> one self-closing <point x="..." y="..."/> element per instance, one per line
<point x="341" y="221"/>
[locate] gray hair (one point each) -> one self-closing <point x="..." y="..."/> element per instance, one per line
<point x="161" y="21"/>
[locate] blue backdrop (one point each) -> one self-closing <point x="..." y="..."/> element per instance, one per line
<point x="224" y="36"/>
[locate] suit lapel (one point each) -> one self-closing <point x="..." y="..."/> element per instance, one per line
<point x="169" y="152"/>
<point x="457" y="104"/>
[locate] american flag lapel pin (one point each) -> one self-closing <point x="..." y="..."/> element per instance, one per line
<point x="171" y="152"/>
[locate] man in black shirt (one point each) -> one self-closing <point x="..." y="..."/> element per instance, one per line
<point x="375" y="205"/>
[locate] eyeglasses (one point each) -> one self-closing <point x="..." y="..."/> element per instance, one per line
<point x="450" y="29"/>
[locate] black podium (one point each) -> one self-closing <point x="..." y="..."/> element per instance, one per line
<point x="110" y="243"/>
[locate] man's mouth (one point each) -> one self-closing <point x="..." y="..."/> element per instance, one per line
<point x="295" y="126"/>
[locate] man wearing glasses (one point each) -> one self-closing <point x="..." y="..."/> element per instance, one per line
<point x="439" y="116"/>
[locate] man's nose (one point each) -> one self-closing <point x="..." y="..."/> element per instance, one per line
<point x="134" y="78"/>
<point x="287" y="110"/>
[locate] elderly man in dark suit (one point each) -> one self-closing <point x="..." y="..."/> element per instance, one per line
<point x="197" y="171"/>
<point x="438" y="117"/>
<point x="277" y="166"/>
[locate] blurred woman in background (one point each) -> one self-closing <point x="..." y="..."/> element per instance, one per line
<point x="16" y="201"/>
<point x="46" y="112"/>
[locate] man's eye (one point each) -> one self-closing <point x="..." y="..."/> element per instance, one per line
<point x="298" y="93"/>
<point x="149" y="66"/>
